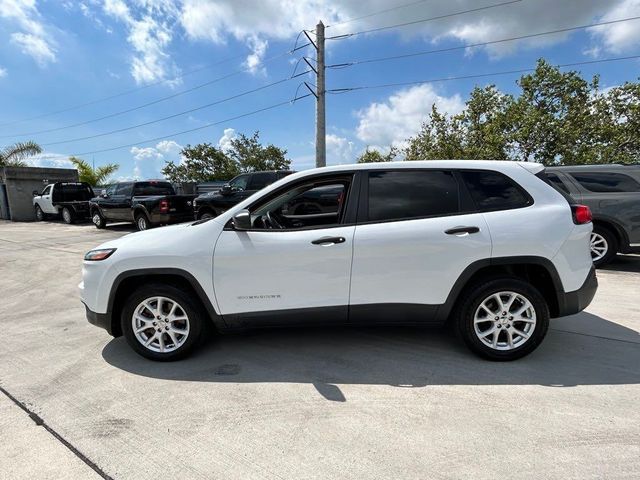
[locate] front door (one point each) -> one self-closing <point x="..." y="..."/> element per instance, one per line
<point x="412" y="244"/>
<point x="292" y="266"/>
<point x="46" y="201"/>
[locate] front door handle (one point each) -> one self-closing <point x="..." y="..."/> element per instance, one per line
<point x="459" y="230"/>
<point x="328" y="240"/>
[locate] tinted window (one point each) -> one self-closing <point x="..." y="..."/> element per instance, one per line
<point x="73" y="192"/>
<point x="110" y="190"/>
<point x="606" y="182"/>
<point x="494" y="191"/>
<point x="555" y="181"/>
<point x="261" y="180"/>
<point x="411" y="194"/>
<point x="240" y="182"/>
<point x="153" y="188"/>
<point x="123" y="189"/>
<point x="47" y="190"/>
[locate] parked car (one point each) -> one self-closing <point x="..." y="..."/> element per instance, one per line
<point x="488" y="246"/>
<point x="68" y="200"/>
<point x="147" y="204"/>
<point x="612" y="192"/>
<point x="240" y="187"/>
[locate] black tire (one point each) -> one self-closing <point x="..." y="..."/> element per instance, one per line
<point x="207" y="214"/>
<point x="470" y="302"/>
<point x="187" y="302"/>
<point x="611" y="244"/>
<point x="142" y="222"/>
<point x="98" y="220"/>
<point x="67" y="215"/>
<point x="40" y="216"/>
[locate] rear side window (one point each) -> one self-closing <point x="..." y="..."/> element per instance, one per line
<point x="606" y="182"/>
<point x="494" y="191"/>
<point x="412" y="194"/>
<point x="555" y="181"/>
<point x="261" y="180"/>
<point x="153" y="188"/>
<point x="123" y="189"/>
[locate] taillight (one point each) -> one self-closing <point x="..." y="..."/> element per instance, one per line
<point x="164" y="206"/>
<point x="581" y="214"/>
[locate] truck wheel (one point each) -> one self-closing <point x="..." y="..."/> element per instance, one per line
<point x="98" y="220"/>
<point x="39" y="214"/>
<point x="142" y="222"/>
<point x="502" y="319"/>
<point x="162" y="322"/>
<point x="67" y="215"/>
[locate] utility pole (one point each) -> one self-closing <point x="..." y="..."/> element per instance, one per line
<point x="321" y="128"/>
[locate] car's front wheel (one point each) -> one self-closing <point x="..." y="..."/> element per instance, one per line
<point x="161" y="322"/>
<point x="502" y="319"/>
<point x="39" y="214"/>
<point x="98" y="220"/>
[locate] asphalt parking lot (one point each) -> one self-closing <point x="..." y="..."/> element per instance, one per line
<point x="305" y="404"/>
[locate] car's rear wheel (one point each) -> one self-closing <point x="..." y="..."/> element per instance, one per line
<point x="161" y="322"/>
<point x="502" y="319"/>
<point x="67" y="215"/>
<point x="98" y="220"/>
<point x="142" y="222"/>
<point x="604" y="246"/>
<point x="39" y="214"/>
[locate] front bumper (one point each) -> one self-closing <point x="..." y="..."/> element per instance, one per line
<point x="576" y="301"/>
<point x="102" y="320"/>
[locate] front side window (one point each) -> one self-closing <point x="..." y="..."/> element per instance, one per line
<point x="494" y="191"/>
<point x="47" y="190"/>
<point x="606" y="182"/>
<point x="310" y="205"/>
<point x="398" y="195"/>
<point x="240" y="182"/>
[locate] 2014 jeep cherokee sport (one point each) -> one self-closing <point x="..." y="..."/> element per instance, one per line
<point x="490" y="246"/>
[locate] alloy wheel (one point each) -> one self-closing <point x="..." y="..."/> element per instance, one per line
<point x="504" y="320"/>
<point x="96" y="219"/>
<point x="599" y="246"/>
<point x="142" y="223"/>
<point x="160" y="324"/>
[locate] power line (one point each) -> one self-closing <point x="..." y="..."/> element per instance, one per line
<point x="148" y="104"/>
<point x="481" y="44"/>
<point x="439" y="17"/>
<point x="480" y="75"/>
<point x="122" y="94"/>
<point x="217" y="102"/>
<point x="174" y="134"/>
<point x="377" y="13"/>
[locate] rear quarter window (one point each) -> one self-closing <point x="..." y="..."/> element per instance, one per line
<point x="602" y="182"/>
<point x="492" y="191"/>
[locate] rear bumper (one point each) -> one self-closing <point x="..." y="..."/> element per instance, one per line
<point x="576" y="301"/>
<point x="102" y="320"/>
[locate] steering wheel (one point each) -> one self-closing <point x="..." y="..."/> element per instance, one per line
<point x="273" y="223"/>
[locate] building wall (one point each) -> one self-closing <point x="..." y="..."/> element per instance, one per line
<point x="20" y="182"/>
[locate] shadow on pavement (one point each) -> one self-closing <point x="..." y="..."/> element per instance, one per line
<point x="403" y="357"/>
<point x="624" y="263"/>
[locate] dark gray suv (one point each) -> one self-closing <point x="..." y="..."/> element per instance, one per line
<point x="613" y="194"/>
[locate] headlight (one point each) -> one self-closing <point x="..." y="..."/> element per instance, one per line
<point x="100" y="254"/>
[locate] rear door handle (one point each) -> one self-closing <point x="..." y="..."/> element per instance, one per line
<point x="328" y="240"/>
<point x="459" y="230"/>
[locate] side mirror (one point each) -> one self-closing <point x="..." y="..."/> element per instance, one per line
<point x="36" y="193"/>
<point x="105" y="195"/>
<point x="242" y="220"/>
<point x="226" y="189"/>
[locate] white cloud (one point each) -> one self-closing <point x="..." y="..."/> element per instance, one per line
<point x="618" y="37"/>
<point x="150" y="30"/>
<point x="224" y="143"/>
<point x="254" y="60"/>
<point x="3" y="72"/>
<point x="339" y="149"/>
<point x="50" y="160"/>
<point x="393" y="121"/>
<point x="33" y="39"/>
<point x="148" y="161"/>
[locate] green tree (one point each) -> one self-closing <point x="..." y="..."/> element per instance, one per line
<point x="252" y="156"/>
<point x="374" y="156"/>
<point x="201" y="163"/>
<point x="93" y="176"/>
<point x="16" y="154"/>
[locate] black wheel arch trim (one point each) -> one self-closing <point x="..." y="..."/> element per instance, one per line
<point x="193" y="282"/>
<point x="618" y="230"/>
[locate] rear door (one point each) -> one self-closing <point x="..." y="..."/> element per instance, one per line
<point x="412" y="242"/>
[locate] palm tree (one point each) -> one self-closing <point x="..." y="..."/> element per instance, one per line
<point x="93" y="176"/>
<point x="15" y="155"/>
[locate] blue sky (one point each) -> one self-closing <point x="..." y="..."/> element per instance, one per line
<point x="55" y="55"/>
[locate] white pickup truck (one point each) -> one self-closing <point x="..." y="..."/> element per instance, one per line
<point x="70" y="200"/>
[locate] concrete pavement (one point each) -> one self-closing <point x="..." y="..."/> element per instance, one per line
<point x="307" y="404"/>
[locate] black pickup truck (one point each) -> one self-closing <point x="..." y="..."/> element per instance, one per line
<point x="243" y="186"/>
<point x="147" y="204"/>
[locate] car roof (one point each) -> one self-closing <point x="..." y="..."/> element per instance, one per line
<point x="609" y="166"/>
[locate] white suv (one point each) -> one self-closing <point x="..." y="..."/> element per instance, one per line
<point x="489" y="246"/>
